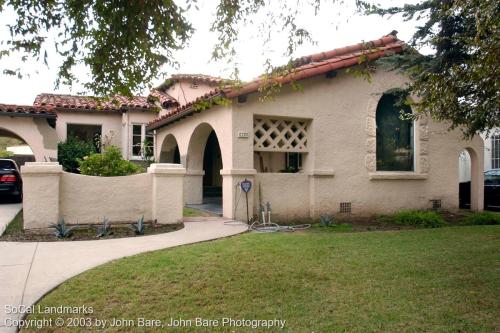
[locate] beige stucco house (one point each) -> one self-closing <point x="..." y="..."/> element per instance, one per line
<point x="336" y="145"/>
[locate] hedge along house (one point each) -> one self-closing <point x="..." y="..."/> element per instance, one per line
<point x="341" y="141"/>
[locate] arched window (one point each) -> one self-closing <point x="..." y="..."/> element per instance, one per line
<point x="394" y="135"/>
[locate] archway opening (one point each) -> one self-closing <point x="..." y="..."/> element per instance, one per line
<point x="14" y="152"/>
<point x="212" y="164"/>
<point x="14" y="147"/>
<point x="464" y="179"/>
<point x="170" y="151"/>
<point x="204" y="163"/>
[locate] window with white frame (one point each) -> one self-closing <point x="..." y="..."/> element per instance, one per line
<point x="142" y="142"/>
<point x="495" y="151"/>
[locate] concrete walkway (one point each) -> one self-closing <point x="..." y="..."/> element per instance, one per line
<point x="7" y="214"/>
<point x="30" y="270"/>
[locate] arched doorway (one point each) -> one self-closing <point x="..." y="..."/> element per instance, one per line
<point x="464" y="180"/>
<point x="14" y="147"/>
<point x="471" y="180"/>
<point x="169" y="152"/>
<point x="204" y="163"/>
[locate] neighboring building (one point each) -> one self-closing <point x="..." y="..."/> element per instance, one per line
<point x="492" y="150"/>
<point x="337" y="145"/>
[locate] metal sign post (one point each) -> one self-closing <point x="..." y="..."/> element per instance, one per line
<point x="246" y="186"/>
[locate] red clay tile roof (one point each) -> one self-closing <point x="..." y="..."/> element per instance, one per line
<point x="89" y="103"/>
<point x="302" y="68"/>
<point x="165" y="99"/>
<point x="199" y="78"/>
<point x="27" y="110"/>
<point x="184" y="110"/>
<point x="321" y="63"/>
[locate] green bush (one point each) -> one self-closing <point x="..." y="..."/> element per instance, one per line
<point x="107" y="164"/>
<point x="6" y="154"/>
<point x="426" y="219"/>
<point x="481" y="218"/>
<point x="69" y="152"/>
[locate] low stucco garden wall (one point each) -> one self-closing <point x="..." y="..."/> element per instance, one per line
<point x="288" y="194"/>
<point x="87" y="199"/>
<point x="51" y="194"/>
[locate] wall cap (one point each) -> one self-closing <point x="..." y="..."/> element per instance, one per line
<point x="397" y="175"/>
<point x="241" y="172"/>
<point x="41" y="168"/>
<point x="166" y="169"/>
<point x="321" y="173"/>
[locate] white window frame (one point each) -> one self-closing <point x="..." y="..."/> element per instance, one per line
<point x="495" y="159"/>
<point x="143" y="138"/>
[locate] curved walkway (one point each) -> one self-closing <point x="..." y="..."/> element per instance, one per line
<point x="30" y="270"/>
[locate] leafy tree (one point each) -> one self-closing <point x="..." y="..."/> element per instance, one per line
<point x="73" y="149"/>
<point x="107" y="164"/>
<point x="460" y="81"/>
<point x="126" y="43"/>
<point x="6" y="154"/>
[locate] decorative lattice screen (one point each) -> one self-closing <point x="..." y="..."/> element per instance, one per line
<point x="282" y="135"/>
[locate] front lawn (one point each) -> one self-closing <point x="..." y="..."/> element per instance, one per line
<point x="427" y="280"/>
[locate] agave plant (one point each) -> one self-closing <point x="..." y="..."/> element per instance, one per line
<point x="104" y="229"/>
<point x="326" y="220"/>
<point x="62" y="230"/>
<point x="138" y="227"/>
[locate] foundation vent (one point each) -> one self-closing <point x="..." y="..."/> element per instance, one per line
<point x="345" y="207"/>
<point x="436" y="204"/>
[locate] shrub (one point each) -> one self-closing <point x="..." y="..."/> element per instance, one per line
<point x="6" y="154"/>
<point x="326" y="220"/>
<point x="481" y="218"/>
<point x="138" y="227"/>
<point x="104" y="229"/>
<point x="107" y="164"/>
<point x="426" y="219"/>
<point x="62" y="230"/>
<point x="74" y="149"/>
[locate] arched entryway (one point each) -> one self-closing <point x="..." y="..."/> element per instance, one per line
<point x="14" y="147"/>
<point x="471" y="180"/>
<point x="204" y="163"/>
<point x="169" y="152"/>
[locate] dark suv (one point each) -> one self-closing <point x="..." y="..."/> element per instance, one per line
<point x="11" y="184"/>
<point x="492" y="189"/>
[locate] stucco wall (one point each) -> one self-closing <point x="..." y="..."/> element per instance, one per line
<point x="342" y="113"/>
<point x="51" y="194"/>
<point x="87" y="199"/>
<point x="111" y="124"/>
<point x="288" y="194"/>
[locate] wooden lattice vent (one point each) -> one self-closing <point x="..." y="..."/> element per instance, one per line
<point x="280" y="135"/>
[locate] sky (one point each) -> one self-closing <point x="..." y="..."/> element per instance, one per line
<point x="333" y="27"/>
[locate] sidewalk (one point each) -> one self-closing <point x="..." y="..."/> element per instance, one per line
<point x="30" y="270"/>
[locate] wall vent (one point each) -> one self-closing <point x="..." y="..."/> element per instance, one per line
<point x="436" y="204"/>
<point x="345" y="207"/>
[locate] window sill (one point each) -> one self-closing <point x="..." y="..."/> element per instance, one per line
<point x="397" y="175"/>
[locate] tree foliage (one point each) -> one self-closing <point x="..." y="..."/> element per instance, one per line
<point x="460" y="81"/>
<point x="73" y="149"/>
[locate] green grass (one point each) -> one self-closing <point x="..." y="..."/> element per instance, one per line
<point x="16" y="225"/>
<point x="191" y="212"/>
<point x="425" y="280"/>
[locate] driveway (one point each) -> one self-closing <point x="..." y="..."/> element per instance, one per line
<point x="30" y="270"/>
<point x="7" y="214"/>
